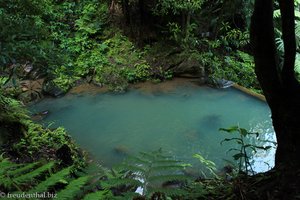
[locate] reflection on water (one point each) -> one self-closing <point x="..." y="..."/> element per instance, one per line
<point x="183" y="121"/>
<point x="263" y="160"/>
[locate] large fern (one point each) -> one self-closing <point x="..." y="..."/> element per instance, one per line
<point x="5" y="165"/>
<point x="38" y="177"/>
<point x="149" y="171"/>
<point x="10" y="173"/>
<point x="73" y="189"/>
<point x="59" y="177"/>
<point x="22" y="169"/>
<point x="28" y="177"/>
<point x="99" y="195"/>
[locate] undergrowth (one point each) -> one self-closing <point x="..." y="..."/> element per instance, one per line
<point x="147" y="176"/>
<point x="29" y="141"/>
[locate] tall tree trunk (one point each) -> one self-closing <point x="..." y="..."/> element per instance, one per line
<point x="126" y="11"/>
<point x="279" y="85"/>
<point x="142" y="12"/>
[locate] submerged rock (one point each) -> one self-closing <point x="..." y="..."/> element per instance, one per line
<point x="121" y="150"/>
<point x="40" y="115"/>
<point x="212" y="121"/>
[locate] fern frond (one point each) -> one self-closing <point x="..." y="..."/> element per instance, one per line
<point x="22" y="170"/>
<point x="166" y="168"/>
<point x="169" y="191"/>
<point x="99" y="195"/>
<point x="280" y="44"/>
<point x="167" y="162"/>
<point x="297" y="63"/>
<point x="129" y="195"/>
<point x="35" y="173"/>
<point x="148" y="156"/>
<point x="297" y="33"/>
<point x="277" y="14"/>
<point x="297" y="14"/>
<point x="73" y="189"/>
<point x="7" y="183"/>
<point x="5" y="164"/>
<point x="7" y="179"/>
<point x="165" y="178"/>
<point x="133" y="168"/>
<point x="118" y="182"/>
<point x="138" y="160"/>
<point x="51" y="181"/>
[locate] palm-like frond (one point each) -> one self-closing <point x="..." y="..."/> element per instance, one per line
<point x="52" y="180"/>
<point x="73" y="189"/>
<point x="35" y="173"/>
<point x="99" y="195"/>
<point x="297" y="63"/>
<point x="151" y="170"/>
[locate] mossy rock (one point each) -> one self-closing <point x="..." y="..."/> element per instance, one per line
<point x="53" y="89"/>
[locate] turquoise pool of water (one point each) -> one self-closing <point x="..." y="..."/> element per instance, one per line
<point x="182" y="121"/>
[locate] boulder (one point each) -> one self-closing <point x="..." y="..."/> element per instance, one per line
<point x="31" y="90"/>
<point x="191" y="67"/>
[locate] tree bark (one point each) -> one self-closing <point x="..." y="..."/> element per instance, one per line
<point x="280" y="86"/>
<point x="126" y="11"/>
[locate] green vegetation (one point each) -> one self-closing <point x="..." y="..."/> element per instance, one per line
<point x="30" y="141"/>
<point x="152" y="172"/>
<point x="242" y="154"/>
<point x="42" y="178"/>
<point x="62" y="44"/>
<point x="155" y="173"/>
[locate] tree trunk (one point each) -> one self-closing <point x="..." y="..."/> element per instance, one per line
<point x="142" y="12"/>
<point x="126" y="11"/>
<point x="281" y="88"/>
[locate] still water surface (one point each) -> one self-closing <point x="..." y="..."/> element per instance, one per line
<point x="182" y="121"/>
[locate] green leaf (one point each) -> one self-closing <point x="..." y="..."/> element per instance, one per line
<point x="243" y="132"/>
<point x="230" y="129"/>
<point x="99" y="195"/>
<point x="51" y="181"/>
<point x="35" y="173"/>
<point x="73" y="188"/>
<point x="230" y="139"/>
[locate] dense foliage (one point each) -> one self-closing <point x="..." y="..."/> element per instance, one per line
<point x="69" y="42"/>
